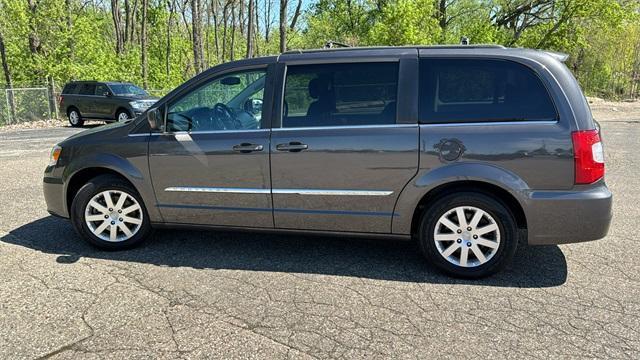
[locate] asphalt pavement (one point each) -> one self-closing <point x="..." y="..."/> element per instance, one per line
<point x="230" y="295"/>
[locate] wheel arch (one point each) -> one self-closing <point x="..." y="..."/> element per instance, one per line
<point x="71" y="107"/>
<point x="429" y="185"/>
<point x="119" y="109"/>
<point x="497" y="192"/>
<point x="83" y="176"/>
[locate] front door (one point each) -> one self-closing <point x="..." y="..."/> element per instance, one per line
<point x="339" y="157"/>
<point x="211" y="165"/>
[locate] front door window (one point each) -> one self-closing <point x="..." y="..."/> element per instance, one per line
<point x="230" y="102"/>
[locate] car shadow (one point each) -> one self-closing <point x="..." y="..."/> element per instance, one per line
<point x="533" y="267"/>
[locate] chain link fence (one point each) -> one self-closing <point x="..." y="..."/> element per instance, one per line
<point x="23" y="104"/>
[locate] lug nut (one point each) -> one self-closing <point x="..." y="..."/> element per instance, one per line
<point x="475" y="236"/>
<point x="459" y="231"/>
<point x="469" y="244"/>
<point x="119" y="211"/>
<point x="459" y="241"/>
<point x="120" y="219"/>
<point x="106" y="216"/>
<point x="110" y="209"/>
<point x="469" y="228"/>
<point x="113" y="223"/>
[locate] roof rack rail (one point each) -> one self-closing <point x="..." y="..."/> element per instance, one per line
<point x="334" y="44"/>
<point x="362" y="48"/>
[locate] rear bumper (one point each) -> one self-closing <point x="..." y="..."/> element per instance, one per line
<point x="561" y="217"/>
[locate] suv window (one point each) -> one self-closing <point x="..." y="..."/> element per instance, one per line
<point x="476" y="90"/>
<point x="101" y="89"/>
<point x="70" y="88"/>
<point x="88" y="89"/>
<point x="340" y="95"/>
<point x="227" y="103"/>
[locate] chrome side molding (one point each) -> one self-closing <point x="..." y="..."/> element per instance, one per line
<point x="321" y="192"/>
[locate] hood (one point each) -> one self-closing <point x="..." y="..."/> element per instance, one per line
<point x="98" y="131"/>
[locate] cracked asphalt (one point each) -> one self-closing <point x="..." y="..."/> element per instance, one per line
<point x="188" y="294"/>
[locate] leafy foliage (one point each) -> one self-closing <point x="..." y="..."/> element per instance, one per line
<point x="78" y="39"/>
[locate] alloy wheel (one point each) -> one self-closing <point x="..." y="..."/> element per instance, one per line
<point x="74" y="117"/>
<point x="467" y="236"/>
<point x="113" y="216"/>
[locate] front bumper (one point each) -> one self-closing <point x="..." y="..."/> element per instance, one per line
<point x="561" y="217"/>
<point x="53" y="188"/>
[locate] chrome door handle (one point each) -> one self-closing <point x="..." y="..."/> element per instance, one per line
<point x="293" y="146"/>
<point x="247" y="148"/>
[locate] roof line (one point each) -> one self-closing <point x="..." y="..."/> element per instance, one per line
<point x="360" y="48"/>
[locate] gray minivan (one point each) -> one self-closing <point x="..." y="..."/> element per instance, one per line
<point x="466" y="149"/>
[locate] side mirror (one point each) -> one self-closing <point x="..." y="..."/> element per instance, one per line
<point x="154" y="117"/>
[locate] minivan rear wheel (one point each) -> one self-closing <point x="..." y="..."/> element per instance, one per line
<point x="109" y="213"/>
<point x="468" y="235"/>
<point x="75" y="119"/>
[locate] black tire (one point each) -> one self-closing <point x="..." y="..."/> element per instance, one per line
<point x="122" y="112"/>
<point x="75" y="118"/>
<point x="87" y="192"/>
<point x="509" y="234"/>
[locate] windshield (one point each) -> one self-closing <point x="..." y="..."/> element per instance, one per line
<point x="126" y="89"/>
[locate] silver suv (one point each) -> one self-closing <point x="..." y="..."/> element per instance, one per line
<point x="465" y="149"/>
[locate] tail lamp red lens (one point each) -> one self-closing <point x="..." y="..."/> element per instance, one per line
<point x="588" y="156"/>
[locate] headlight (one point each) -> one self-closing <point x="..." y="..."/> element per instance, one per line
<point x="55" y="155"/>
<point x="140" y="105"/>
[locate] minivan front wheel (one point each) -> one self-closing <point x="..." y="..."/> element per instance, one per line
<point x="75" y="119"/>
<point x="468" y="235"/>
<point x="109" y="213"/>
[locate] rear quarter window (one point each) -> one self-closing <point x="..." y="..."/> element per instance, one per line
<point x="478" y="90"/>
<point x="70" y="89"/>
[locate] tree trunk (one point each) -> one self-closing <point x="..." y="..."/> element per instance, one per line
<point x="233" y="32"/>
<point x="143" y="45"/>
<point x="172" y="8"/>
<point x="224" y="30"/>
<point x="115" y="14"/>
<point x="53" y="105"/>
<point x="267" y="20"/>
<point x="283" y="25"/>
<point x="256" y="33"/>
<point x="196" y="27"/>
<point x="34" y="40"/>
<point x="250" y="30"/>
<point x="296" y="14"/>
<point x="7" y="79"/>
<point x="216" y="28"/>
<point x="70" y="43"/>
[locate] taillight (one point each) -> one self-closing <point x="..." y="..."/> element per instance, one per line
<point x="588" y="155"/>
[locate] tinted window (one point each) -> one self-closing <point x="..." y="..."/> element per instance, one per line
<point x="340" y="95"/>
<point x="230" y="102"/>
<point x="101" y="89"/>
<point x="70" y="88"/>
<point x="88" y="89"/>
<point x="473" y="90"/>
<point x="127" y="89"/>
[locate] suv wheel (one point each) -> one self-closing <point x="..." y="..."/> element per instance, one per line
<point x="75" y="119"/>
<point x="122" y="115"/>
<point x="110" y="214"/>
<point x="468" y="235"/>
